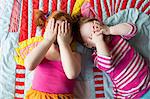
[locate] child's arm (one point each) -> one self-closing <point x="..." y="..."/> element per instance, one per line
<point x="102" y="56"/>
<point x="37" y="54"/>
<point x="71" y="61"/>
<point x="126" y="30"/>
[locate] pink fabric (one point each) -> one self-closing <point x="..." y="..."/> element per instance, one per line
<point x="50" y="77"/>
<point x="127" y="69"/>
<point x="88" y="11"/>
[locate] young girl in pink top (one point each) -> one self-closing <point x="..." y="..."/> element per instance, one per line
<point x="55" y="64"/>
<point x="127" y="69"/>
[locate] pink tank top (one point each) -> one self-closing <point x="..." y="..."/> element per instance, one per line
<point x="50" y="77"/>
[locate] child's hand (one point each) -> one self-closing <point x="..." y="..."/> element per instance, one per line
<point x="51" y="30"/>
<point x="97" y="37"/>
<point x="64" y="34"/>
<point x="99" y="27"/>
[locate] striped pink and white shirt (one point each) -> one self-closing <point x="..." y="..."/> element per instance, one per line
<point x="128" y="70"/>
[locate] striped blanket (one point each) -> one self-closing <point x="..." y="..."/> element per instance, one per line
<point x="17" y="30"/>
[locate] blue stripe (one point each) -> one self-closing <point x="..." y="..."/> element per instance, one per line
<point x="30" y="7"/>
<point x="69" y="6"/>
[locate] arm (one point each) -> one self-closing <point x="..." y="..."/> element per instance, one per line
<point x="35" y="57"/>
<point x="37" y="54"/>
<point x="102" y="56"/>
<point x="126" y="30"/>
<point x="71" y="61"/>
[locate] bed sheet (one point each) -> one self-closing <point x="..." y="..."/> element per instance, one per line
<point x="16" y="26"/>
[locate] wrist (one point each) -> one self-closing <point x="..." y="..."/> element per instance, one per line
<point x="99" y="42"/>
<point x="112" y="30"/>
<point x="63" y="44"/>
<point x="47" y="41"/>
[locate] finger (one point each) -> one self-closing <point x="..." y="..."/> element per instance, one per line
<point x="59" y="29"/>
<point x="66" y="26"/>
<point x="52" y="23"/>
<point x="56" y="28"/>
<point x="69" y="28"/>
<point x="49" y="23"/>
<point x="62" y="27"/>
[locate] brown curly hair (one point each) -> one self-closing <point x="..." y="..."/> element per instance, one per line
<point x="41" y="20"/>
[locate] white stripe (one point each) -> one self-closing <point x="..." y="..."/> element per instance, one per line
<point x="30" y="12"/>
<point x="134" y="30"/>
<point x="128" y="4"/>
<point x="20" y="87"/>
<point x="103" y="65"/>
<point x="20" y="79"/>
<point x="148" y="8"/>
<point x="121" y="97"/>
<point x="116" y="46"/>
<point x="20" y="17"/>
<point x="143" y="4"/>
<point x="131" y="76"/>
<point x="127" y="68"/>
<point x="41" y="5"/>
<point x="58" y="5"/>
<point x="19" y="95"/>
<point x="38" y="29"/>
<point x="50" y="6"/>
<point x="95" y="6"/>
<point x="69" y="6"/>
<point x="119" y="53"/>
<point x="95" y="79"/>
<point x="98" y="85"/>
<point x="118" y="60"/>
<point x="116" y="5"/>
<point x="104" y="61"/>
<point x="21" y="71"/>
<point x="130" y="72"/>
<point x="104" y="14"/>
<point x="133" y="89"/>
<point x="97" y="73"/>
<point x="99" y="92"/>
<point x="107" y="57"/>
<point x="119" y="8"/>
<point x="113" y="7"/>
<point x="109" y="6"/>
<point x="119" y="50"/>
<point x="147" y="82"/>
<point x="137" y="1"/>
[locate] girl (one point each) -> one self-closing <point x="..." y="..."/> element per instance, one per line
<point x="127" y="69"/>
<point x="56" y="65"/>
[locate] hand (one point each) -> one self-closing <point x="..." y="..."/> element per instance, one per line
<point x="64" y="34"/>
<point x="51" y="30"/>
<point x="97" y="37"/>
<point x="97" y="26"/>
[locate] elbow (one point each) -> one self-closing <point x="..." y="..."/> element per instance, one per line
<point x="72" y="76"/>
<point x="29" y="66"/>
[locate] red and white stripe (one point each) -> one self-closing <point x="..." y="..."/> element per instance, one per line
<point x="103" y="61"/>
<point x="98" y="81"/>
<point x="132" y="74"/>
<point x="128" y="68"/>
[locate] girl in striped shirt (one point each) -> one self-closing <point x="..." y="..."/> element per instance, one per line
<point x="127" y="69"/>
